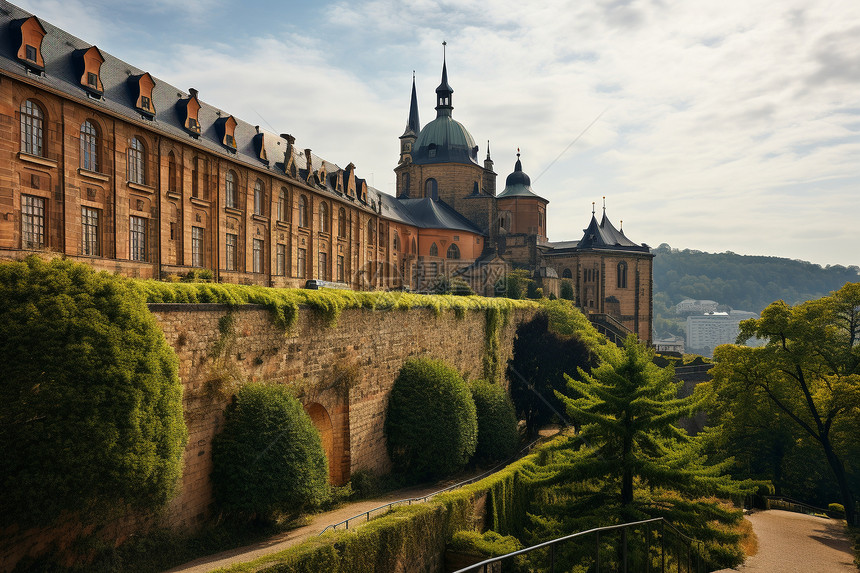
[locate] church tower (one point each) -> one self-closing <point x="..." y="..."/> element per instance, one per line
<point x="407" y="140"/>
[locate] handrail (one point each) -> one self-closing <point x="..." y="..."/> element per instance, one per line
<point x="795" y="502"/>
<point x="596" y="530"/>
<point x="410" y="500"/>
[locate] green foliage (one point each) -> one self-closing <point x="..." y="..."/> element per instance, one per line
<point x="566" y="289"/>
<point x="636" y="463"/>
<point x="497" y="422"/>
<point x="556" y="341"/>
<point x="807" y="377"/>
<point x="460" y="287"/>
<point x="487" y="544"/>
<point x="197" y="276"/>
<point x="90" y="399"/>
<point x="516" y="284"/>
<point x="328" y="303"/>
<point x="268" y="459"/>
<point x="431" y="425"/>
<point x="741" y="282"/>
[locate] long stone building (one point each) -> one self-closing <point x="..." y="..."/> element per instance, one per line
<point x="103" y="162"/>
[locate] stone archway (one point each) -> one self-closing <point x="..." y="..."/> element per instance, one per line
<point x="322" y="422"/>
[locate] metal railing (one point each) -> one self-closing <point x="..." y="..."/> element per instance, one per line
<point x="655" y="554"/>
<point x="789" y="504"/>
<point x="609" y="326"/>
<point x="365" y="515"/>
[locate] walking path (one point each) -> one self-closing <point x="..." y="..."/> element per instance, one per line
<point x="318" y="522"/>
<point x="797" y="543"/>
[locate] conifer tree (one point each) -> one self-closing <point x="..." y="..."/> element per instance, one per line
<point x="634" y="463"/>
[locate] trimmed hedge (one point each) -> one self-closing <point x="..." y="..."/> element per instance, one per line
<point x="90" y="400"/>
<point x="430" y="425"/>
<point x="284" y="303"/>
<point x="269" y="458"/>
<point x="497" y="422"/>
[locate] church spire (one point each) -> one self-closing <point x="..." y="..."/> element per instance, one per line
<point x="413" y="125"/>
<point x="444" y="91"/>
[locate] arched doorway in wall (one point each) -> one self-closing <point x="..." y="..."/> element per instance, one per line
<point x="322" y="422"/>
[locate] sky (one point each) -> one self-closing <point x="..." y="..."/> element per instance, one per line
<point x="724" y="125"/>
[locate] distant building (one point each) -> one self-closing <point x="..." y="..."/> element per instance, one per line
<point x="696" y="306"/>
<point x="670" y="344"/>
<point x="707" y="331"/>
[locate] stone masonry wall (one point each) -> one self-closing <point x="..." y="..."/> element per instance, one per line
<point x="372" y="343"/>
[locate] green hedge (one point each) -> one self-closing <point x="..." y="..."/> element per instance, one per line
<point x="269" y="458"/>
<point x="90" y="400"/>
<point x="430" y="424"/>
<point x="407" y="533"/>
<point x="497" y="423"/>
<point x="284" y="303"/>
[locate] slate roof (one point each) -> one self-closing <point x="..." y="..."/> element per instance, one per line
<point x="429" y="214"/>
<point x="604" y="235"/>
<point x="518" y="184"/>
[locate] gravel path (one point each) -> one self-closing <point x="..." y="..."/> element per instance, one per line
<point x="797" y="543"/>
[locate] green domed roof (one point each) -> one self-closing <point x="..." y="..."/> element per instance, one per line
<point x="444" y="140"/>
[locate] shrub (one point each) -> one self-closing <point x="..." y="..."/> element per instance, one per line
<point x="269" y="458"/>
<point x="461" y="288"/>
<point x="488" y="544"/>
<point x="497" y="422"/>
<point x="515" y="284"/>
<point x="566" y="291"/>
<point x="431" y="424"/>
<point x="90" y="399"/>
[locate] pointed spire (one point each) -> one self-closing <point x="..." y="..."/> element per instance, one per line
<point x="444" y="91"/>
<point x="413" y="124"/>
<point x="518" y="166"/>
<point x="488" y="150"/>
<point x="592" y="208"/>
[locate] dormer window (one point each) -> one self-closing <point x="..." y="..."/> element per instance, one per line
<point x="226" y="129"/>
<point x="192" y="108"/>
<point x="142" y="89"/>
<point x="260" y="147"/>
<point x="31" y="33"/>
<point x="89" y="67"/>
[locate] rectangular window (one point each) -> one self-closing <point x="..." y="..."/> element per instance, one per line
<point x="92" y="80"/>
<point x="229" y="139"/>
<point x="323" y="267"/>
<point x="232" y="240"/>
<point x="144" y="102"/>
<point x="258" y="255"/>
<point x="196" y="246"/>
<point x="301" y="263"/>
<point x="31" y="53"/>
<point x="340" y="268"/>
<point x="32" y="222"/>
<point x="137" y="238"/>
<point x="281" y="260"/>
<point x="90" y="231"/>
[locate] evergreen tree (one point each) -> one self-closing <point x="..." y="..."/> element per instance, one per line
<point x="636" y="463"/>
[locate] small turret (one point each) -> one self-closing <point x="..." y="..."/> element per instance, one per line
<point x="444" y="104"/>
<point x="413" y="128"/>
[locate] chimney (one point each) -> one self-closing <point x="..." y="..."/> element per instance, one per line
<point x="289" y="152"/>
<point x="193" y="92"/>
<point x="308" y="159"/>
<point x="257" y="128"/>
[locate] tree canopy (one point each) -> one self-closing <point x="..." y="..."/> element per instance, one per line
<point x="90" y="400"/>
<point x="808" y="372"/>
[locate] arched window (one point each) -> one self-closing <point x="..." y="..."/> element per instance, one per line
<point x="89" y="147"/>
<point x="453" y="252"/>
<point x="414" y="247"/>
<point x="259" y="198"/>
<point x="324" y="226"/>
<point x="32" y="120"/>
<point x="282" y="205"/>
<point x="370" y="228"/>
<point x="172" y="186"/>
<point x="341" y="223"/>
<point x="231" y="193"/>
<point x="396" y="241"/>
<point x="434" y="250"/>
<point x="622" y="275"/>
<point x="137" y="162"/>
<point x="303" y="211"/>
<point x="566" y="274"/>
<point x="431" y="189"/>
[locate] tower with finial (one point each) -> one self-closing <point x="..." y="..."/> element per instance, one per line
<point x="413" y="127"/>
<point x="489" y="174"/>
